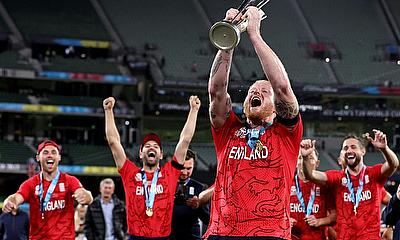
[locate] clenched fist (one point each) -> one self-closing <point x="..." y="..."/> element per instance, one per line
<point x="194" y="102"/>
<point x="108" y="103"/>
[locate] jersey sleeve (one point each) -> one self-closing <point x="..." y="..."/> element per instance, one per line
<point x="73" y="183"/>
<point x="333" y="177"/>
<point x="174" y="168"/>
<point x="27" y="189"/>
<point x="376" y="173"/>
<point x="291" y="135"/>
<point x="221" y="134"/>
<point x="128" y="168"/>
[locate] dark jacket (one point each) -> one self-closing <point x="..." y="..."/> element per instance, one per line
<point x="14" y="227"/>
<point x="391" y="216"/>
<point x="95" y="226"/>
<point x="185" y="220"/>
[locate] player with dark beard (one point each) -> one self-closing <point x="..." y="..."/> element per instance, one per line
<point x="358" y="188"/>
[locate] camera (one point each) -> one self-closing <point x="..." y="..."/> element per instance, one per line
<point x="183" y="193"/>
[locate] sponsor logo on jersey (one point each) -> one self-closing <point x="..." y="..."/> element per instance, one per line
<point x="241" y="152"/>
<point x="241" y="133"/>
<point x="293" y="191"/>
<point x="344" y="181"/>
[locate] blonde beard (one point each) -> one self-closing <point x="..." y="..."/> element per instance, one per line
<point x="258" y="118"/>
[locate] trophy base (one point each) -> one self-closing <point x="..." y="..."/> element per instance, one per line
<point x="224" y="35"/>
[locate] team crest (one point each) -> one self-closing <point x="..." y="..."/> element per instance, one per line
<point x="366" y="179"/>
<point x="344" y="181"/>
<point x="62" y="187"/>
<point x="241" y="133"/>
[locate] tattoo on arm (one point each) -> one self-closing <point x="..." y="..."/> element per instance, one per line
<point x="217" y="63"/>
<point x="228" y="107"/>
<point x="287" y="110"/>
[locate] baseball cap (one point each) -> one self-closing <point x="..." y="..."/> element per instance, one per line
<point x="47" y="143"/>
<point x="151" y="137"/>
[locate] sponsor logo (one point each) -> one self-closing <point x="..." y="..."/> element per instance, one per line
<point x="293" y="191"/>
<point x="241" y="152"/>
<point x="344" y="181"/>
<point x="366" y="179"/>
<point x="241" y="133"/>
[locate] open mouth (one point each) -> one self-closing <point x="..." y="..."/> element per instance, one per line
<point x="151" y="154"/>
<point x="351" y="157"/>
<point x="50" y="163"/>
<point x="255" y="102"/>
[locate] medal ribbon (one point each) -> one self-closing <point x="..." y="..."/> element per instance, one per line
<point x="356" y="198"/>
<point x="253" y="135"/>
<point x="299" y="194"/>
<point x="43" y="202"/>
<point x="150" y="194"/>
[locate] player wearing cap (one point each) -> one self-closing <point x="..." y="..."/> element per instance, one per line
<point x="50" y="195"/>
<point x="150" y="190"/>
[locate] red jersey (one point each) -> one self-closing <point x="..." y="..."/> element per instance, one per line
<point x="322" y="203"/>
<point x="252" y="187"/>
<point x="58" y="222"/>
<point x="366" y="223"/>
<point x="139" y="224"/>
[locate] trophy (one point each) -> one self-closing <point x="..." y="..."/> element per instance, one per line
<point x="225" y="35"/>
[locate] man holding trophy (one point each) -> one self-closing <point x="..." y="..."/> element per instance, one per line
<point x="256" y="159"/>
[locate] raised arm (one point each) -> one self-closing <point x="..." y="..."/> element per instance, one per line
<point x="112" y="134"/>
<point x="308" y="160"/>
<point x="12" y="202"/>
<point x="188" y="130"/>
<point x="380" y="142"/>
<point x="220" y="101"/>
<point x="286" y="105"/>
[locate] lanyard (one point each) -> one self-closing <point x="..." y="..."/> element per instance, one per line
<point x="310" y="204"/>
<point x="253" y="136"/>
<point x="43" y="202"/>
<point x="355" y="198"/>
<point x="150" y="194"/>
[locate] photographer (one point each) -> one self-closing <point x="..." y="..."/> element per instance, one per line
<point x="187" y="208"/>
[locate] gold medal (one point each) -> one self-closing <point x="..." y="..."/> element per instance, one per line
<point x="355" y="210"/>
<point x="259" y="146"/>
<point x="149" y="212"/>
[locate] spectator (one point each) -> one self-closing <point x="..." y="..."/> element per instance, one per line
<point x="14" y="225"/>
<point x="106" y="216"/>
<point x="80" y="212"/>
